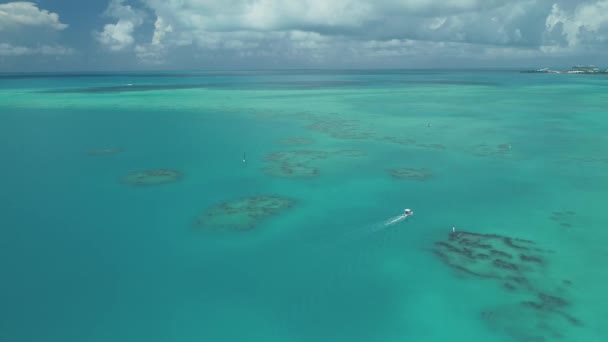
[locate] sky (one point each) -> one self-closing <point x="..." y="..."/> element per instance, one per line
<point x="105" y="35"/>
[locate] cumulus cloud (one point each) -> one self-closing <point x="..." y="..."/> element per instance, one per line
<point x="588" y="23"/>
<point x="154" y="52"/>
<point x="319" y="30"/>
<point x="16" y="15"/>
<point x="119" y="36"/>
<point x="26" y="29"/>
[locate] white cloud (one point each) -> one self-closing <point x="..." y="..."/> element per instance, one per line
<point x="119" y="36"/>
<point x="311" y="15"/>
<point x="264" y="15"/>
<point x="321" y="30"/>
<point x="479" y="21"/>
<point x="26" y="29"/>
<point x="15" y="15"/>
<point x="160" y="30"/>
<point x="154" y="52"/>
<point x="12" y="50"/>
<point x="576" y="25"/>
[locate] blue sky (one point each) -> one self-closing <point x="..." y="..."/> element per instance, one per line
<point x="49" y="35"/>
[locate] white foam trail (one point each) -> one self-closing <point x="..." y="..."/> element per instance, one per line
<point x="376" y="227"/>
<point x="395" y="220"/>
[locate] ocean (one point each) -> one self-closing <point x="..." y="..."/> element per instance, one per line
<point x="253" y="206"/>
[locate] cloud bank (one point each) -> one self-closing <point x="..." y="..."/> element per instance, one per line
<point x="318" y="31"/>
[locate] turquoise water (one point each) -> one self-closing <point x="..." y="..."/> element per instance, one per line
<point x="86" y="257"/>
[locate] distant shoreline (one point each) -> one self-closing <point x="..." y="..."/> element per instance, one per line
<point x="585" y="70"/>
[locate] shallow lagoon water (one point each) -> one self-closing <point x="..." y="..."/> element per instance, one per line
<point x="89" y="258"/>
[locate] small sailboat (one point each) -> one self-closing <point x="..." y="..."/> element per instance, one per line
<point x="244" y="157"/>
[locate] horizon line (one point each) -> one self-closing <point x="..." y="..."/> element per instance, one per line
<point x="271" y="69"/>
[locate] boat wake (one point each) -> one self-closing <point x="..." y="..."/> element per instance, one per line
<point x="377" y="227"/>
<point x="395" y="220"/>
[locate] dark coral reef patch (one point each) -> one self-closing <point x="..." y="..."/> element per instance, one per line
<point x="514" y="264"/>
<point x="398" y="140"/>
<point x="301" y="163"/>
<point x="492" y="151"/>
<point x="433" y="146"/>
<point x="564" y="218"/>
<point x="152" y="177"/>
<point x="243" y="214"/>
<point x="411" y="174"/>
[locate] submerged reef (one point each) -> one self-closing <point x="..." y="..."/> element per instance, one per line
<point x="398" y="140"/>
<point x="563" y="218"/>
<point x="305" y="115"/>
<point x="411" y="142"/>
<point x="432" y="146"/>
<point x="301" y="163"/>
<point x="104" y="151"/>
<point x="243" y="214"/>
<point x="589" y="159"/>
<point x="295" y="141"/>
<point x="126" y="88"/>
<point x="537" y="312"/>
<point x="341" y="129"/>
<point x="497" y="151"/>
<point x="152" y="177"/>
<point x="411" y="174"/>
<point x="293" y="164"/>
